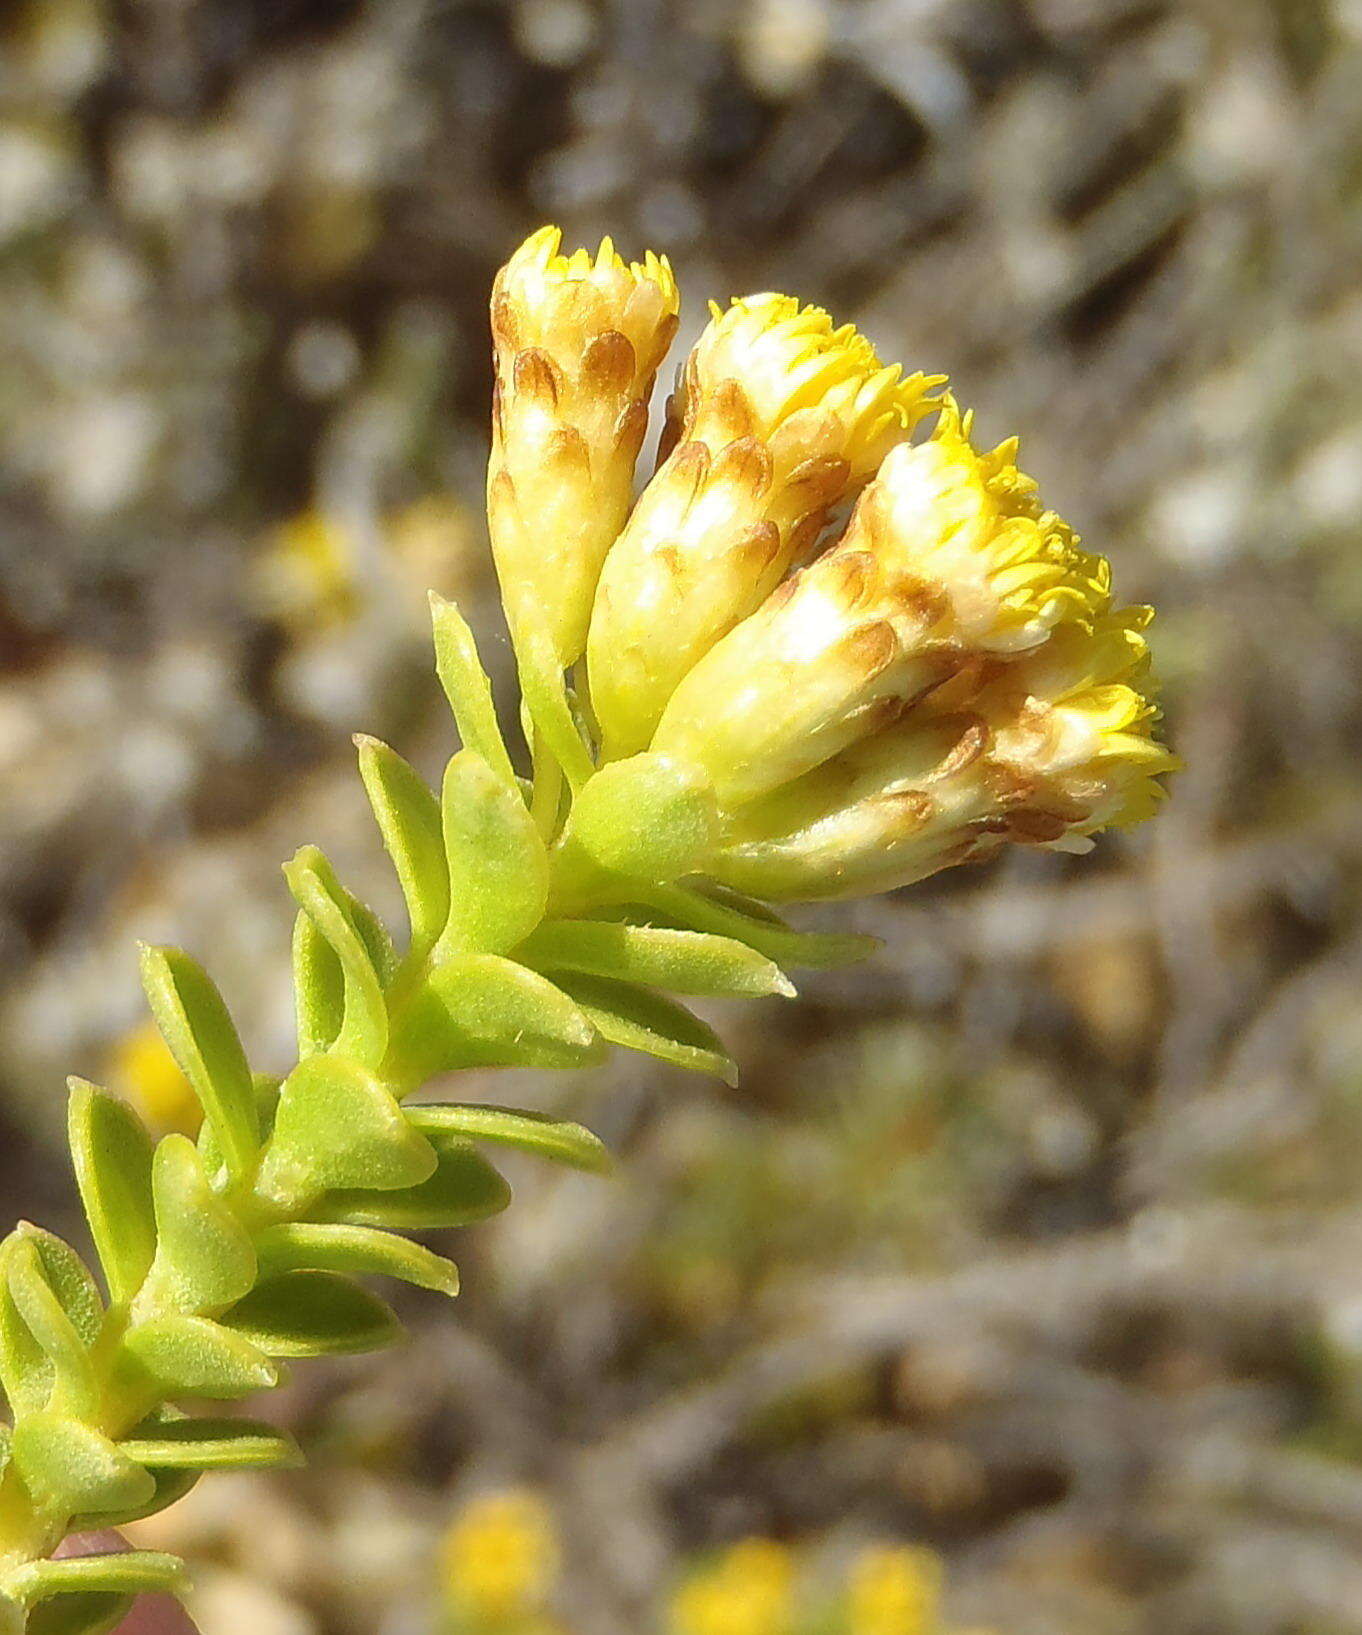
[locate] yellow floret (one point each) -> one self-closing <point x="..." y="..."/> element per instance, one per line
<point x="748" y="1591"/>
<point x="894" y="1590"/>
<point x="1078" y="720"/>
<point x="786" y="359"/>
<point x="971" y="524"/>
<point x="499" y="1558"/>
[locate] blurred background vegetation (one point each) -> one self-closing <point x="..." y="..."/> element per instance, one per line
<point x="1035" y="1244"/>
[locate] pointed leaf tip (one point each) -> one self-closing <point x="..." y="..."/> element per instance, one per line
<point x="199" y="1032"/>
<point x="533" y="1132"/>
<point x="467" y="688"/>
<point x="639" y="1019"/>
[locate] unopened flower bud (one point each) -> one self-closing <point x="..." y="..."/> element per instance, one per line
<point x="776" y="418"/>
<point x="578" y="340"/>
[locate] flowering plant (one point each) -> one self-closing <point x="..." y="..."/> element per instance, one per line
<point x="723" y="712"/>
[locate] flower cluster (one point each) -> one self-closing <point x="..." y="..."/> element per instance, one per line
<point x="797" y="716"/>
<point x="760" y="1586"/>
<point x="501" y="1556"/>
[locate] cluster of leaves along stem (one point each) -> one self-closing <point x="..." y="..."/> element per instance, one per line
<point x="225" y="1259"/>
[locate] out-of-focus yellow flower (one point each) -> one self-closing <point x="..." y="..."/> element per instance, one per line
<point x="142" y="1070"/>
<point x="435" y="545"/>
<point x="313" y="573"/>
<point x="894" y="1590"/>
<point x="748" y="1591"/>
<point x="578" y="340"/>
<point x="499" y="1559"/>
<point x="778" y="415"/>
<point x="306" y="574"/>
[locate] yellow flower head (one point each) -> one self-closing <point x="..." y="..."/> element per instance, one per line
<point x="948" y="568"/>
<point x="1050" y="750"/>
<point x="970" y="524"/>
<point x="776" y="419"/>
<point x="1072" y="730"/>
<point x="894" y="1590"/>
<point x="771" y="368"/>
<point x="894" y="808"/>
<point x="499" y="1558"/>
<point x="748" y="1591"/>
<point x="948" y="675"/>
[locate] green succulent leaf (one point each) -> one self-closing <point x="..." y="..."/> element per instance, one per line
<point x="463" y="1189"/>
<point x="77" y="1613"/>
<point x="318" y="988"/>
<point x="204" y="1259"/>
<point x="467" y="688"/>
<point x="538" y="1133"/>
<point x="112" y="1154"/>
<point x="194" y="1022"/>
<point x="645" y="1021"/>
<point x="65" y="1275"/>
<point x="49" y="1317"/>
<point x="337" y="1125"/>
<point x="745" y="920"/>
<point x="372" y="932"/>
<point x="498" y="868"/>
<point x="689" y="962"/>
<point x="192" y="1356"/>
<point x="266" y="1100"/>
<point x="169" y="1486"/>
<point x="72" y="1465"/>
<point x="486" y="1011"/>
<point x="25" y="1368"/>
<point x="311" y="1313"/>
<point x="299" y="1245"/>
<point x="211" y="1444"/>
<point x="363" y="1032"/>
<point x="125" y="1572"/>
<point x="408" y="817"/>
<point x="650" y="817"/>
